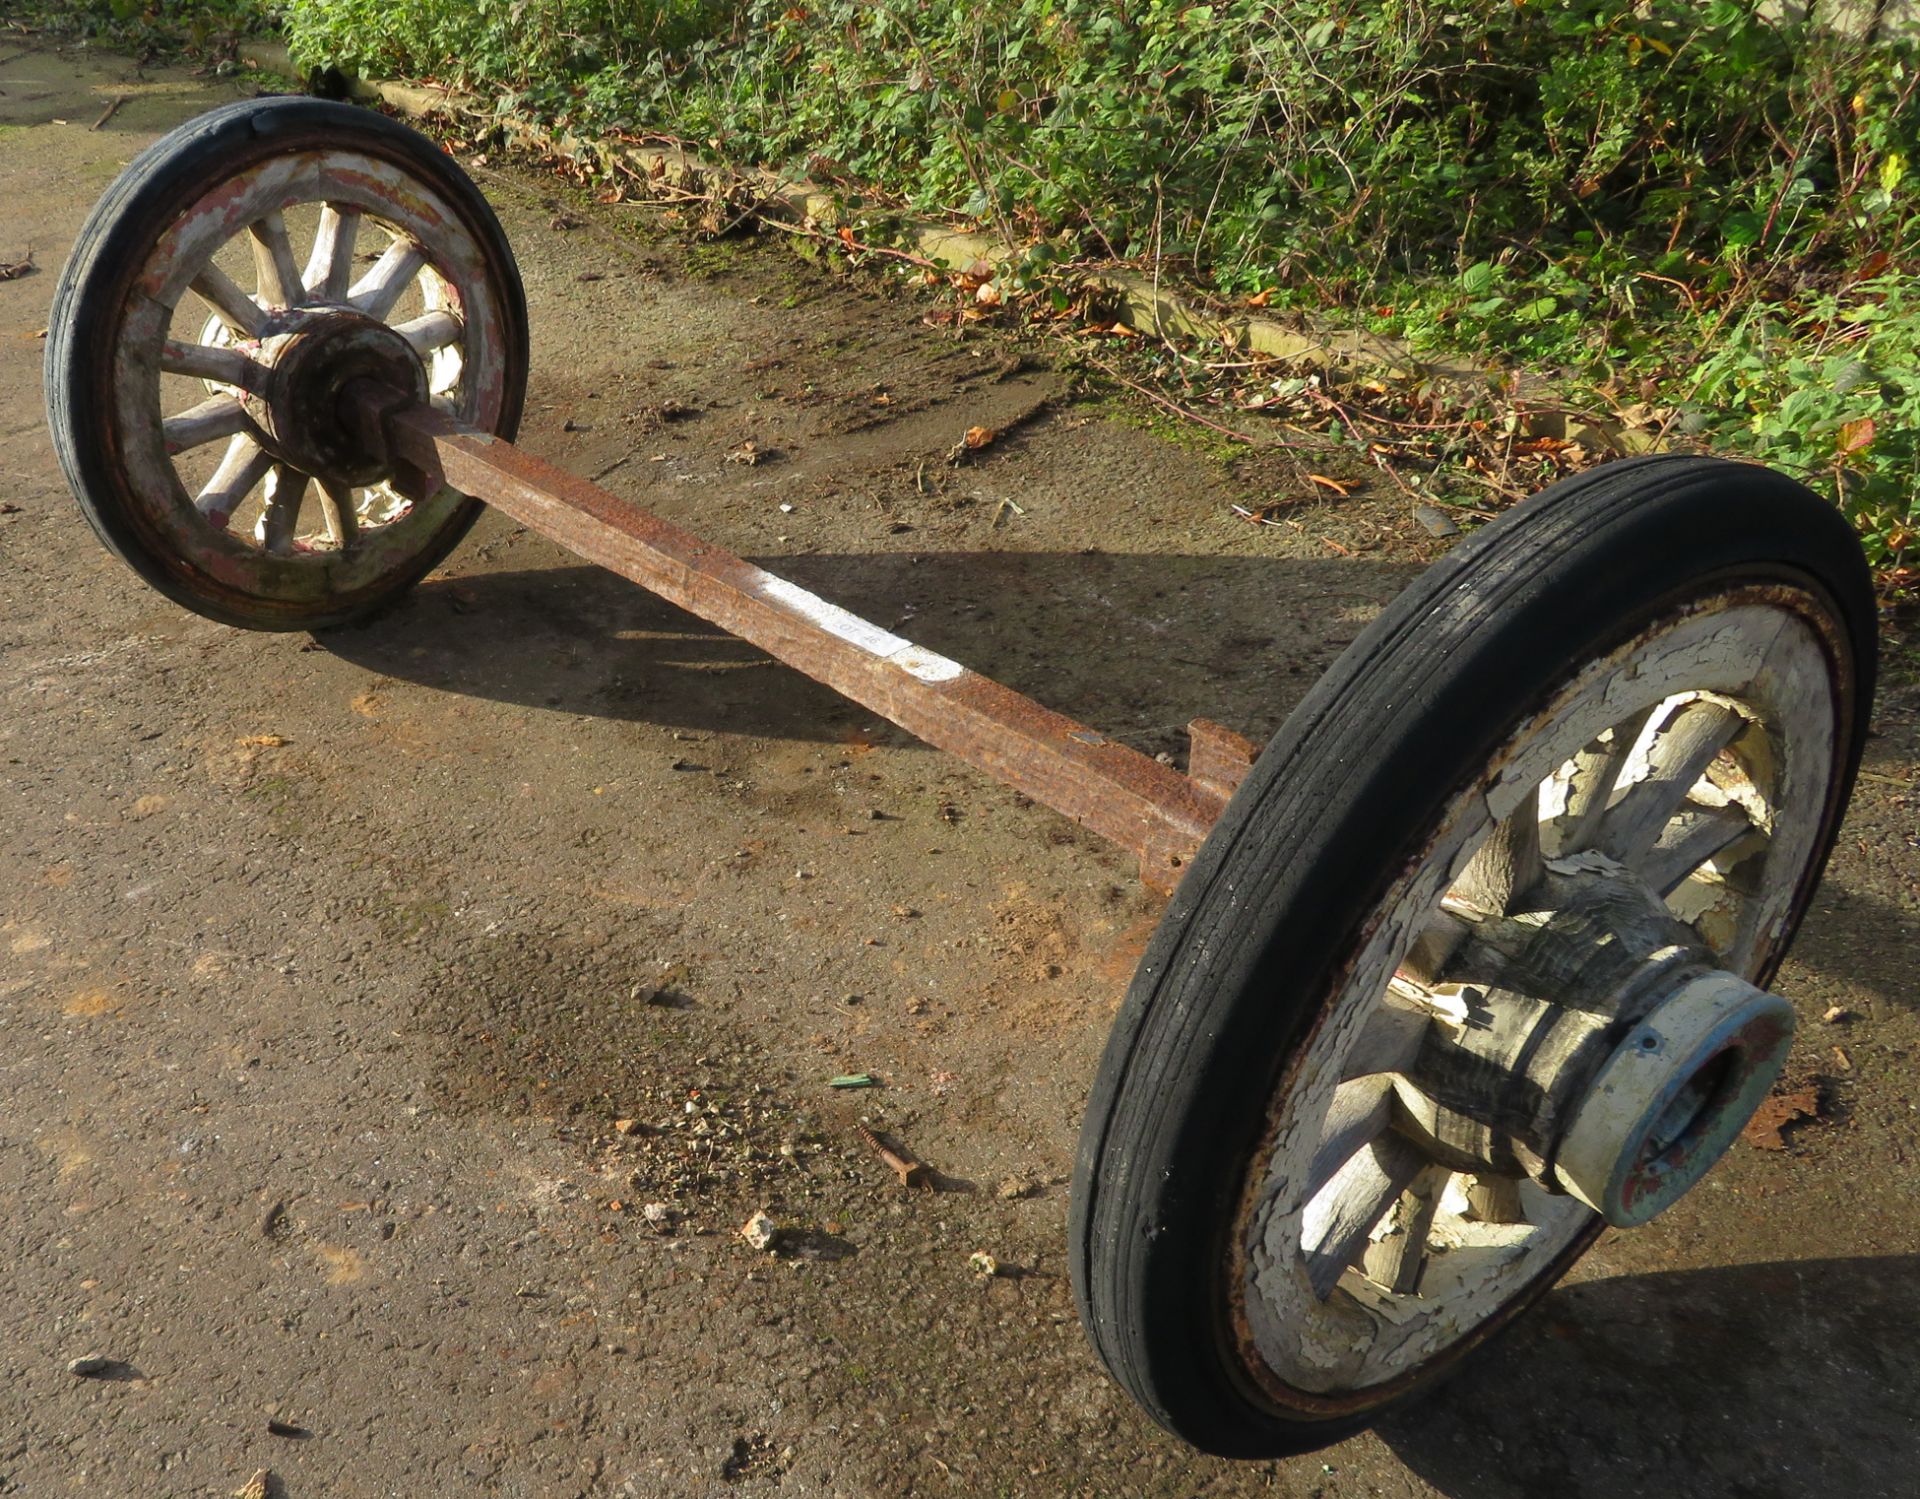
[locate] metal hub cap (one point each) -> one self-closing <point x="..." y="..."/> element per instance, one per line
<point x="297" y="403"/>
<point x="1673" y="1096"/>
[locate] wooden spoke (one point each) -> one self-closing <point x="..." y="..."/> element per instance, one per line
<point x="432" y="331"/>
<point x="239" y="474"/>
<point x="377" y="292"/>
<point x="277" y="276"/>
<point x="336" y="509"/>
<point x="211" y="420"/>
<point x="1426" y="959"/>
<point x="1495" y="1199"/>
<point x="1360" y="1113"/>
<point x="1691" y="838"/>
<point x="1679" y="753"/>
<point x="1506" y="866"/>
<point x="206" y="362"/>
<point x="1398" y="1257"/>
<point x="286" y="488"/>
<point x="1390" y="1041"/>
<point x="330" y="266"/>
<point x="1353" y="1202"/>
<point x="230" y="304"/>
<point x="1596" y="771"/>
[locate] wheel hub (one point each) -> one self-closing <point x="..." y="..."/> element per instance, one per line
<point x="1625" y="1088"/>
<point x="1672" y="1096"/>
<point x="298" y="407"/>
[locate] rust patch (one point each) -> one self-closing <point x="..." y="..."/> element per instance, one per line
<point x="1779" y="1112"/>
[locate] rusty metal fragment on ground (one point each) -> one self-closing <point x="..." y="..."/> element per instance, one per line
<point x="1780" y="1110"/>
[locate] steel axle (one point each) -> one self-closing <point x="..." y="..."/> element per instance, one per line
<point x="1146" y="807"/>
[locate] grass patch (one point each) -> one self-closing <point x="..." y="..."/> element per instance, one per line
<point x="1688" y="209"/>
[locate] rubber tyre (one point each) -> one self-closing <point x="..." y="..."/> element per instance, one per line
<point x="1348" y="790"/>
<point x="84" y="333"/>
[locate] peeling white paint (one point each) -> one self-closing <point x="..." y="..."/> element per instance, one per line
<point x="915" y="660"/>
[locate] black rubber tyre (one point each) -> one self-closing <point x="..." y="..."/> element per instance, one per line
<point x="1347" y="792"/>
<point x="89" y="306"/>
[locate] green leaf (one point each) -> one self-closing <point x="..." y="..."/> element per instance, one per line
<point x="1475" y="280"/>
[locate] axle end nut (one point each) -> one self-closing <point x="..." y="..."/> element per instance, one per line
<point x="1672" y="1097"/>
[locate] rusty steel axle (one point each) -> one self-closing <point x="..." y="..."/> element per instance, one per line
<point x="1144" y="806"/>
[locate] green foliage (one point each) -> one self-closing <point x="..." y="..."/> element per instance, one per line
<point x="1682" y="191"/>
<point x="541" y="53"/>
<point x="1669" y="189"/>
<point x="1831" y="392"/>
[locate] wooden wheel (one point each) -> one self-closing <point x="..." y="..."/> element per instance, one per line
<point x="235" y="277"/>
<point x="1473" y="963"/>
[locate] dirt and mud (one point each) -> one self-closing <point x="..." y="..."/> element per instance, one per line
<point x="359" y="993"/>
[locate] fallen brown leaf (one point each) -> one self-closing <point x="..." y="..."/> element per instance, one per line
<point x="256" y="1487"/>
<point x="979" y="437"/>
<point x="1779" y="1110"/>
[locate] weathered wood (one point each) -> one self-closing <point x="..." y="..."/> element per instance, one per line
<point x="1398" y="1258"/>
<point x="1680" y="751"/>
<point x="1358" y="1197"/>
<point x="1507" y="865"/>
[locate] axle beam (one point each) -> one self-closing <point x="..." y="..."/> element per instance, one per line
<point x="1148" y="808"/>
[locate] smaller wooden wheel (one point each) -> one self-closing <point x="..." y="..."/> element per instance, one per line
<point x="1474" y="963"/>
<point x="239" y="273"/>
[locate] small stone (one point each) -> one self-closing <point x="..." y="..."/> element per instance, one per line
<point x="625" y="1126"/>
<point x="658" y="1214"/>
<point x="1015" y="1188"/>
<point x="257" y="1487"/>
<point x="1436" y="520"/>
<point x="760" y="1233"/>
<point x="91" y="1367"/>
<point x="983" y="1264"/>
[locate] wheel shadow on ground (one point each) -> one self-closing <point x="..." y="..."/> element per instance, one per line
<point x="1780" y="1380"/>
<point x="1866" y="940"/>
<point x="1133" y="645"/>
